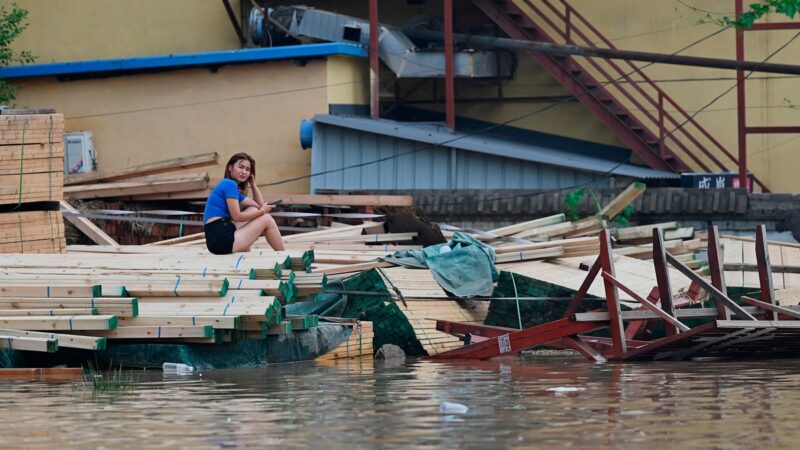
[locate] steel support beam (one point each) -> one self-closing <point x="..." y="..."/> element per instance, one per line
<point x="662" y="278"/>
<point x="717" y="270"/>
<point x="612" y="296"/>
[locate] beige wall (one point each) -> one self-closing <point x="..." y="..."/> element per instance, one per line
<point x="92" y="29"/>
<point x="348" y="80"/>
<point x="76" y="30"/>
<point x="145" y="118"/>
<point x="664" y="27"/>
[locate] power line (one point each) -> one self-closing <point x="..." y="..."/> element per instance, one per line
<point x="670" y="133"/>
<point x="489" y="128"/>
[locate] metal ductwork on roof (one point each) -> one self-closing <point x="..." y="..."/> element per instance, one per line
<point x="396" y="50"/>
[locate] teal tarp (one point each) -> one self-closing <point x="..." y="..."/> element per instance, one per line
<point x="463" y="266"/>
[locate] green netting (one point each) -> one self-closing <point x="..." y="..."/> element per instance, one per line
<point x="299" y="346"/>
<point x="504" y="312"/>
<point x="390" y="325"/>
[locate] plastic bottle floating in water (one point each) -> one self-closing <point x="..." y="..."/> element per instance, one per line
<point x="453" y="408"/>
<point x="169" y="367"/>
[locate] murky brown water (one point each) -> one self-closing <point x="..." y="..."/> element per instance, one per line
<point x="693" y="405"/>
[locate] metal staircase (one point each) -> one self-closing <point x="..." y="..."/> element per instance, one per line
<point x="620" y="94"/>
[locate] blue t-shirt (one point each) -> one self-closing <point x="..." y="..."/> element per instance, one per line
<point x="216" y="205"/>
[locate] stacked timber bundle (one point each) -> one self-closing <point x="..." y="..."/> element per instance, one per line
<point x="31" y="172"/>
<point x="97" y="294"/>
<point x="741" y="270"/>
<point x="358" y="345"/>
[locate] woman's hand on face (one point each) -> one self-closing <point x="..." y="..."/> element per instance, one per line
<point x="252" y="180"/>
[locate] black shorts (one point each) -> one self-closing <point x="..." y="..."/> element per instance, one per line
<point x="220" y="236"/>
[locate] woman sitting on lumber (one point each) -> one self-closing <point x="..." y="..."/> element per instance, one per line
<point x="234" y="222"/>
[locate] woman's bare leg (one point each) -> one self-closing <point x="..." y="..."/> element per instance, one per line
<point x="248" y="233"/>
<point x="241" y="224"/>
<point x="273" y="235"/>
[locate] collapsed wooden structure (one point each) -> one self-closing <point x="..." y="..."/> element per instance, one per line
<point x="762" y="330"/>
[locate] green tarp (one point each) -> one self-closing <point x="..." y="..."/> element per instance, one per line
<point x="464" y="266"/>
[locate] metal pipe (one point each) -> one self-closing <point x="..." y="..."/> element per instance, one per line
<point x="741" y="117"/>
<point x="608" y="53"/>
<point x="235" y="22"/>
<point x="449" y="79"/>
<point x="374" y="62"/>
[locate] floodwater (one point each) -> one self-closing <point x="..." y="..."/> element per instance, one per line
<point x="551" y="403"/>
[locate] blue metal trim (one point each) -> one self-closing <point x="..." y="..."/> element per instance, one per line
<point x="183" y="60"/>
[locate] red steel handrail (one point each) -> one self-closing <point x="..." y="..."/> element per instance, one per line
<point x="574" y="24"/>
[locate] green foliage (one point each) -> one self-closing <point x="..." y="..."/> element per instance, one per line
<point x="623" y="218"/>
<point x="788" y="8"/>
<point x="113" y="381"/>
<point x="12" y="24"/>
<point x="572" y="200"/>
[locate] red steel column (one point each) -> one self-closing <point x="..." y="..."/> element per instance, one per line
<point x="740" y="102"/>
<point x="374" y="62"/>
<point x="449" y="82"/>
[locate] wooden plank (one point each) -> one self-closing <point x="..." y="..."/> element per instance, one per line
<point x="622" y="200"/>
<point x="170" y="165"/>
<point x="44" y="323"/>
<point x="30" y="344"/>
<point x="642" y="231"/>
<point x="519" y="227"/>
<point x="64" y="340"/>
<point x="681" y="313"/>
<point x="48" y="312"/>
<point x="46" y="291"/>
<point x="42" y="373"/>
<point x="127" y="188"/>
<point x="86" y="226"/>
<point x="155" y="332"/>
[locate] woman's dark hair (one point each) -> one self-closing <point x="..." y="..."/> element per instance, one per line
<point x="236" y="158"/>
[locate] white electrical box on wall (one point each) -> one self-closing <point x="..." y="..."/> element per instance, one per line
<point x="79" y="154"/>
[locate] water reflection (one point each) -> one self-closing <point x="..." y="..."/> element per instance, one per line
<point x="540" y="404"/>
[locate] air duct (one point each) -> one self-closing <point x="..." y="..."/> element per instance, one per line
<point x="396" y="50"/>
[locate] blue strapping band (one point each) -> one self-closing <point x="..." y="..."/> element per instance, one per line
<point x="70" y="323"/>
<point x="261" y="252"/>
<point x="175" y="289"/>
<point x="193" y="321"/>
<point x="48" y="291"/>
<point x="159" y="331"/>
<point x="10" y="342"/>
<point x="52" y="312"/>
<point x="238" y="261"/>
<point x="520" y="256"/>
<point x="225" y="311"/>
<point x="240" y="283"/>
<point x="386" y="247"/>
<point x="204" y="271"/>
<point x="92" y="301"/>
<point x="376" y="237"/>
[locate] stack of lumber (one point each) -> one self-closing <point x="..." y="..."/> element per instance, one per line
<point x="83" y="299"/>
<point x="31" y="171"/>
<point x="358" y="345"/>
<point x="739" y="263"/>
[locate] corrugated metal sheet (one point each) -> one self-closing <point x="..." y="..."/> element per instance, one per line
<point x="436" y="135"/>
<point x="408" y="164"/>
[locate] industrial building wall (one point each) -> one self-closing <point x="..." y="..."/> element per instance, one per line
<point x="663" y="27"/>
<point x="423" y="166"/>
<point x="80" y="30"/>
<point x="143" y="118"/>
